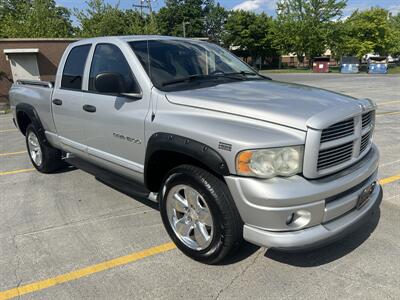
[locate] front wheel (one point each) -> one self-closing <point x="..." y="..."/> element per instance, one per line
<point x="199" y="214"/>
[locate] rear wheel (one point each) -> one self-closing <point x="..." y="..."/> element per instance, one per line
<point x="199" y="214"/>
<point x="44" y="158"/>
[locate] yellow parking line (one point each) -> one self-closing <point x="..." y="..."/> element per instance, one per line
<point x="388" y="102"/>
<point x="389" y="179"/>
<point x="16" y="172"/>
<point x="388" y="113"/>
<point x="12" y="153"/>
<point x="119" y="261"/>
<point x="7" y="130"/>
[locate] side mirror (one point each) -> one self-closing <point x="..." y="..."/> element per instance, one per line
<point x="109" y="83"/>
<point x="113" y="83"/>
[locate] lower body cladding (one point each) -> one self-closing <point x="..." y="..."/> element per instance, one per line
<point x="296" y="213"/>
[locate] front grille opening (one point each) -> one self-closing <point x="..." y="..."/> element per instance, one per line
<point x="350" y="190"/>
<point x="365" y="141"/>
<point x="335" y="156"/>
<point x="338" y="131"/>
<point x="367" y="119"/>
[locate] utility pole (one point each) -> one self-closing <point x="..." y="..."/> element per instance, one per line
<point x="144" y="4"/>
<point x="184" y="27"/>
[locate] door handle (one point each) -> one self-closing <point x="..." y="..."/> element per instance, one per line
<point x="57" y="102"/>
<point x="89" y="108"/>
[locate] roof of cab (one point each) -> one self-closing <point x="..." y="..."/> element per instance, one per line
<point x="128" y="38"/>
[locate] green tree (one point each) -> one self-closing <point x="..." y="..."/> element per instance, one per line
<point x="394" y="38"/>
<point x="102" y="19"/>
<point x="303" y="27"/>
<point x="366" y="32"/>
<point x="214" y="22"/>
<point x="177" y="14"/>
<point x="249" y="35"/>
<point x="34" y="19"/>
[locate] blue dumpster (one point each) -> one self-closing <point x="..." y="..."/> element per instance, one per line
<point x="349" y="65"/>
<point x="377" y="65"/>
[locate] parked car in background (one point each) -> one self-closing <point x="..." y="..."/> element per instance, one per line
<point x="228" y="153"/>
<point x="377" y="65"/>
<point x="321" y="65"/>
<point x="349" y="65"/>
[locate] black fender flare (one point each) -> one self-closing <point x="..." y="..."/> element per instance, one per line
<point x="31" y="112"/>
<point x="174" y="143"/>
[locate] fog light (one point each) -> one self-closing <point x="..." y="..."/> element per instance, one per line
<point x="298" y="219"/>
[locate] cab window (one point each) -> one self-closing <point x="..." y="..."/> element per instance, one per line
<point x="108" y="58"/>
<point x="74" y="67"/>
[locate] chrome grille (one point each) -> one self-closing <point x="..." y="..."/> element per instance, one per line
<point x="338" y="146"/>
<point x="367" y="119"/>
<point x="338" y="130"/>
<point x="365" y="141"/>
<point x="335" y="156"/>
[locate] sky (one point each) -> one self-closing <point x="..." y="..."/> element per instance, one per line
<point x="267" y="6"/>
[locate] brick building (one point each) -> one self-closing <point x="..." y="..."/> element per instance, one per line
<point x="35" y="59"/>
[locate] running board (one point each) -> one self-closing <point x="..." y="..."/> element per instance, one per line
<point x="122" y="184"/>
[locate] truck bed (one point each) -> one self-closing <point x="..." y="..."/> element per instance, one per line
<point x="38" y="94"/>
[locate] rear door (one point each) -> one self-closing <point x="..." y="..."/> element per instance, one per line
<point x="67" y="100"/>
<point x="115" y="130"/>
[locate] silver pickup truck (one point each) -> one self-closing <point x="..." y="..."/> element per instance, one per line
<point x="228" y="153"/>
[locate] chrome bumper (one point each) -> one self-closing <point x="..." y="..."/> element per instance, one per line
<point x="296" y="213"/>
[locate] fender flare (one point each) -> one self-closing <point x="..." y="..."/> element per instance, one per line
<point x="174" y="143"/>
<point x="31" y="112"/>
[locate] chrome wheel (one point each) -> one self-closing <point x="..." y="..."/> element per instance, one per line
<point x="34" y="148"/>
<point x="190" y="217"/>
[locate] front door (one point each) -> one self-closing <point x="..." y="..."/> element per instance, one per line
<point x="67" y="101"/>
<point x="114" y="124"/>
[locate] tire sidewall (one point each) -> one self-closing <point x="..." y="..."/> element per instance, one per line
<point x="29" y="129"/>
<point x="199" y="184"/>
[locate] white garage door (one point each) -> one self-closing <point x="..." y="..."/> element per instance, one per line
<point x="24" y="66"/>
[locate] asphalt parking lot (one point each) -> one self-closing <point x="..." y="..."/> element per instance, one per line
<point x="70" y="236"/>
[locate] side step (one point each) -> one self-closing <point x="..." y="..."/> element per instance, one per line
<point x="120" y="183"/>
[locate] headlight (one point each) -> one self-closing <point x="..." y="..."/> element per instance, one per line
<point x="268" y="163"/>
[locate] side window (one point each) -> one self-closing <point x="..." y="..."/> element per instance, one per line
<point x="74" y="67"/>
<point x="108" y="58"/>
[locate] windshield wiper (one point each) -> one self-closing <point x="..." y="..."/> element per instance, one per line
<point x="244" y="73"/>
<point x="219" y="74"/>
<point x="184" y="79"/>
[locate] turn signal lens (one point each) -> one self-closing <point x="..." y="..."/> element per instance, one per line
<point x="242" y="162"/>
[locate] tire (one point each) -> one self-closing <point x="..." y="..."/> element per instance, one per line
<point x="190" y="226"/>
<point x="44" y="158"/>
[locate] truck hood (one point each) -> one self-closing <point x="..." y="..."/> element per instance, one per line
<point x="292" y="105"/>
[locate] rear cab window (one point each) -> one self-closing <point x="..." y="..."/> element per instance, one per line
<point x="74" y="67"/>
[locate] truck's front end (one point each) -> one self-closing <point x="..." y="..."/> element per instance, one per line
<point x="335" y="191"/>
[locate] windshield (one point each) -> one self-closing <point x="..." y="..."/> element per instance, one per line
<point x="181" y="64"/>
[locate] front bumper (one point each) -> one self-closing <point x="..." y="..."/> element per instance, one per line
<point x="325" y="208"/>
<point x="315" y="236"/>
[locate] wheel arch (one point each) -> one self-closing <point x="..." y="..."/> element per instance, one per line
<point x="27" y="114"/>
<point x="166" y="151"/>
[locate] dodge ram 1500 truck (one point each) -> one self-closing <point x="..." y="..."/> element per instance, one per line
<point x="228" y="153"/>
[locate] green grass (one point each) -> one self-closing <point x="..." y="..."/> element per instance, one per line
<point x="291" y="70"/>
<point x="297" y="70"/>
<point x="394" y="70"/>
